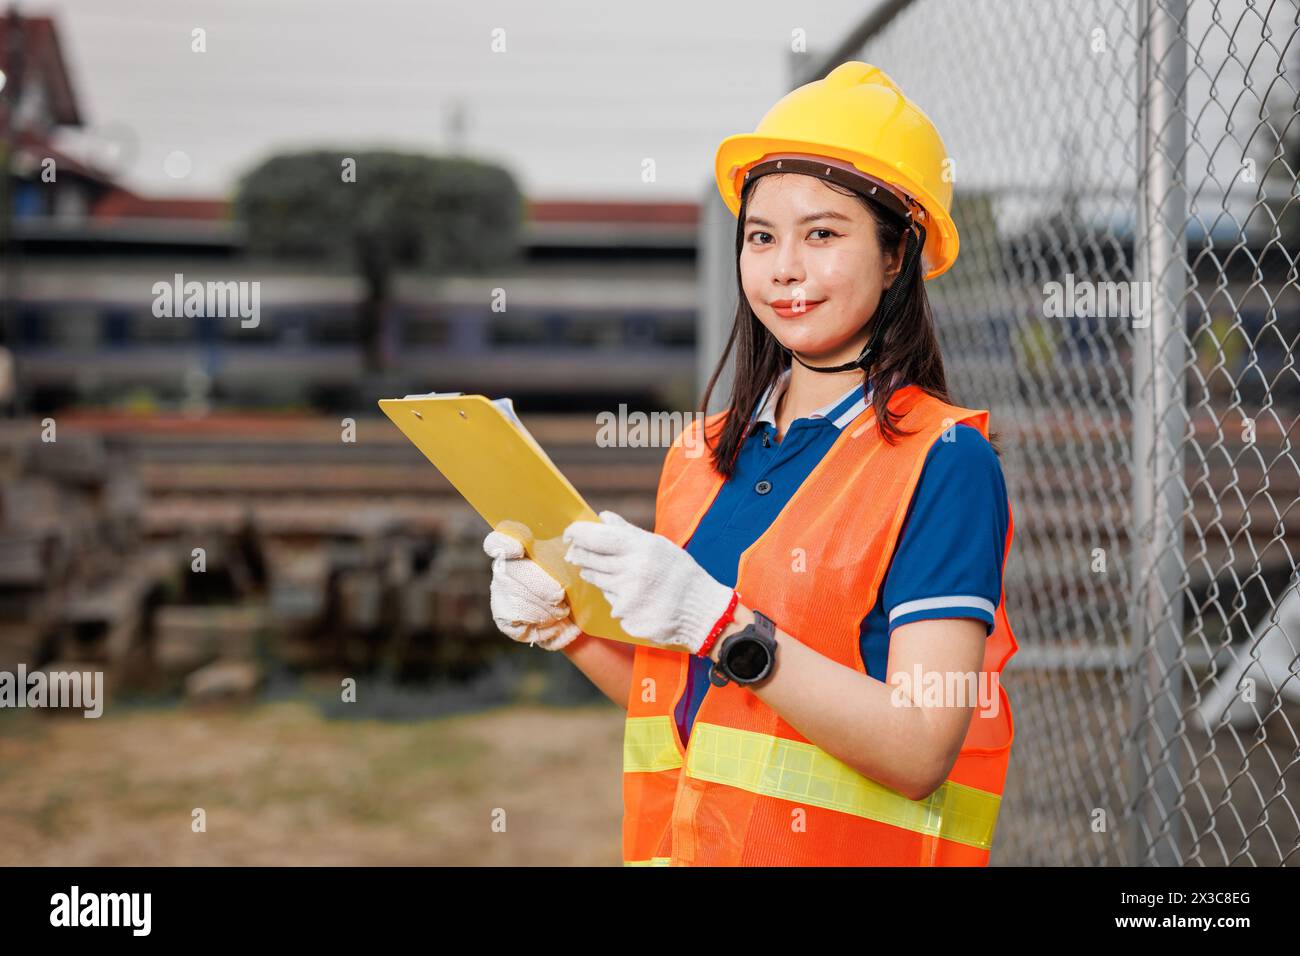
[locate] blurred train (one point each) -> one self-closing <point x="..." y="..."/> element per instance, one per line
<point x="601" y="307"/>
<point x="562" y="342"/>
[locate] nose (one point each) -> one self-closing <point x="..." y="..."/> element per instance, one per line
<point x="788" y="265"/>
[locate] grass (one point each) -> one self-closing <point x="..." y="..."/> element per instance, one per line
<point x="281" y="783"/>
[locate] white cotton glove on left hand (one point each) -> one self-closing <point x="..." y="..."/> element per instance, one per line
<point x="528" y="605"/>
<point x="656" y="589"/>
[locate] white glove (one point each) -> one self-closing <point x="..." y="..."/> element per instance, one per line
<point x="528" y="605"/>
<point x="657" y="590"/>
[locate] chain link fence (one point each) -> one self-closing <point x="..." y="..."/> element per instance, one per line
<point x="1126" y="305"/>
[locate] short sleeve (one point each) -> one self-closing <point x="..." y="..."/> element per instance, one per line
<point x="948" y="559"/>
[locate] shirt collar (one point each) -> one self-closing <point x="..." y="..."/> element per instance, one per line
<point x="840" y="412"/>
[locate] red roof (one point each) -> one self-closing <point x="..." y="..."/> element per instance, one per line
<point x="41" y="57"/>
<point x="123" y="204"/>
<point x="43" y="149"/>
<point x="666" y="213"/>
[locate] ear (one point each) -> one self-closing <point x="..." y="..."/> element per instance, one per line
<point x="895" y="263"/>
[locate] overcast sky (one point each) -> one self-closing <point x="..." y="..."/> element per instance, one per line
<point x="1028" y="96"/>
<point x="584" y="92"/>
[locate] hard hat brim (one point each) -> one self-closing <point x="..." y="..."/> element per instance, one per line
<point x="736" y="154"/>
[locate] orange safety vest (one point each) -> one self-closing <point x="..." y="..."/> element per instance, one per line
<point x="750" y="790"/>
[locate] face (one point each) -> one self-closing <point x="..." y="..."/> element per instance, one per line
<point x="811" y="266"/>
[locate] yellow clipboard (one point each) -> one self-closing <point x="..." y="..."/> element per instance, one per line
<point x="506" y="476"/>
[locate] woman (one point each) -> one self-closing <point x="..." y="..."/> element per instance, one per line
<point x="823" y="590"/>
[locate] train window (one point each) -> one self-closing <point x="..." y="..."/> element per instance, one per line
<point x="333" y="327"/>
<point x="117" y="328"/>
<point x="582" y="331"/>
<point x="152" y="329"/>
<point x="424" y="330"/>
<point x="587" y="329"/>
<point x="292" y="325"/>
<point x="233" y="330"/>
<point x="639" y="328"/>
<point x="31" y="325"/>
<point x="676" y="330"/>
<point x="508" y="329"/>
<point x="556" y="328"/>
<point x="74" y="327"/>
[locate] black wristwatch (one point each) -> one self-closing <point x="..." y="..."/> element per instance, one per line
<point x="748" y="656"/>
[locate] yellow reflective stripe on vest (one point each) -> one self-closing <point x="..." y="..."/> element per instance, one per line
<point x="653" y="861"/>
<point x="803" y="773"/>
<point x="649" y="745"/>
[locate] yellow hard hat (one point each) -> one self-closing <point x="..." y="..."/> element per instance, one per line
<point x="858" y="115"/>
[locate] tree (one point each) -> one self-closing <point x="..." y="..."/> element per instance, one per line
<point x="378" y="211"/>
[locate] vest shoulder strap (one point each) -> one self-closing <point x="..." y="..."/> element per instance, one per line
<point x="917" y="407"/>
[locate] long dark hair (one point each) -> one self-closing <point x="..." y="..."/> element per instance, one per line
<point x="909" y="348"/>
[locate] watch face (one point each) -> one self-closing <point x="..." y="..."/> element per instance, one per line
<point x="747" y="659"/>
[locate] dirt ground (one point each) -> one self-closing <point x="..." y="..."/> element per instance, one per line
<point x="283" y="785"/>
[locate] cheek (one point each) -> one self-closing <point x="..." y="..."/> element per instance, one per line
<point x="846" y="275"/>
<point x="755" y="281"/>
<point x="847" y="280"/>
<point x="750" y="280"/>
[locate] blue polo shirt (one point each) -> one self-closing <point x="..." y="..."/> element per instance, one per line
<point x="947" y="562"/>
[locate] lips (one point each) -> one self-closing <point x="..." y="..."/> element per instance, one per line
<point x="786" y="308"/>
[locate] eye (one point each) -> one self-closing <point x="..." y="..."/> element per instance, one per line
<point x="758" y="232"/>
<point x="823" y="229"/>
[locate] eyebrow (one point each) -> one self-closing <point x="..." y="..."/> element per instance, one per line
<point x="811" y="217"/>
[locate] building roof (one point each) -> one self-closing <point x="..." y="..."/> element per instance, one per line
<point x="42" y="58"/>
<point x="590" y="211"/>
<point x="36" y="147"/>
<point x="123" y="204"/>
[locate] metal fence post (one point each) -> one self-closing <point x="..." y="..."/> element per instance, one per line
<point x="1159" y="423"/>
<point x="717" y="291"/>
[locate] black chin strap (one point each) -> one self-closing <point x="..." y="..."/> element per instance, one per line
<point x="885" y="311"/>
